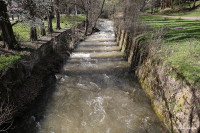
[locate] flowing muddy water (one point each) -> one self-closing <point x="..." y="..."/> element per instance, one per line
<point x="97" y="94"/>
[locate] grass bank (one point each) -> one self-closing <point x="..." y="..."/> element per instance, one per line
<point x="10" y="60"/>
<point x="180" y="45"/>
<point x="22" y="29"/>
<point x="183" y="10"/>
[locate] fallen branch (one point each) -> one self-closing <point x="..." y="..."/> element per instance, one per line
<point x="6" y="116"/>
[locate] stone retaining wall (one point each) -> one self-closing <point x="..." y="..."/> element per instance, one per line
<point x="22" y="82"/>
<point x="175" y="101"/>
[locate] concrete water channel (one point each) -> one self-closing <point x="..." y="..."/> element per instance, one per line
<point x="95" y="94"/>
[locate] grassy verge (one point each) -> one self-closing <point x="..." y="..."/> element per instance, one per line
<point x="189" y="13"/>
<point x="22" y="29"/>
<point x="67" y="22"/>
<point x="7" y="61"/>
<point x="180" y="46"/>
<point x="182" y="10"/>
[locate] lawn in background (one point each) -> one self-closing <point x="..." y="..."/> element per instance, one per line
<point x="183" y="10"/>
<point x="22" y="29"/>
<point x="181" y="45"/>
<point x="189" y="13"/>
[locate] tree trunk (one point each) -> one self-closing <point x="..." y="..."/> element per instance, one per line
<point x="162" y="4"/>
<point x="32" y="13"/>
<point x="189" y="4"/>
<point x="172" y="4"/>
<point x="101" y="11"/>
<point x="86" y="24"/>
<point x="6" y="27"/>
<point x="67" y="12"/>
<point x="13" y="17"/>
<point x="57" y="14"/>
<point x="49" y="18"/>
<point x="50" y="26"/>
<point x="143" y="6"/>
<point x="75" y="8"/>
<point x="33" y="34"/>
<point x="194" y="4"/>
<point x="42" y="29"/>
<point x="58" y="19"/>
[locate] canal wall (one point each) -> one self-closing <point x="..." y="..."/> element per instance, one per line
<point x="21" y="83"/>
<point x="175" y="101"/>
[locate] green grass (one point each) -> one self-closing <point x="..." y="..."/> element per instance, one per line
<point x="183" y="10"/>
<point x="67" y="22"/>
<point x="181" y="45"/>
<point x="192" y="13"/>
<point x="22" y="29"/>
<point x="7" y="61"/>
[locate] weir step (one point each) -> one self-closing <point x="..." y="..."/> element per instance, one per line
<point x="95" y="67"/>
<point x="99" y="60"/>
<point x="101" y="40"/>
<point x="113" y="54"/>
<point x="97" y="43"/>
<point x="97" y="49"/>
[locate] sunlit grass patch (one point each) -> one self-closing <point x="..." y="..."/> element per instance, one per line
<point x="184" y="10"/>
<point x="67" y="22"/>
<point x="22" y="29"/>
<point x="10" y="60"/>
<point x="181" y="45"/>
<point x="192" y="13"/>
<point x="185" y="57"/>
<point x="179" y="29"/>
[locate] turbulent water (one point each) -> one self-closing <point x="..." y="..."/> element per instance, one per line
<point x="97" y="94"/>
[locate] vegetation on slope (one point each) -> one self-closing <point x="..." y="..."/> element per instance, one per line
<point x="182" y="10"/>
<point x="7" y="61"/>
<point x="180" y="45"/>
<point x="22" y="33"/>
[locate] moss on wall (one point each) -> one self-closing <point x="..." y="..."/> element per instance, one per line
<point x="174" y="100"/>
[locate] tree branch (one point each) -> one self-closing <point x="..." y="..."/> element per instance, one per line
<point x="16" y="22"/>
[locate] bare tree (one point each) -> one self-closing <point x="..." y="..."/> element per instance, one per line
<point x="194" y="4"/>
<point x="49" y="16"/>
<point x="6" y="27"/>
<point x="128" y="12"/>
<point x="57" y="11"/>
<point x="7" y="111"/>
<point x="35" y="11"/>
<point x="30" y="7"/>
<point x="92" y="10"/>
